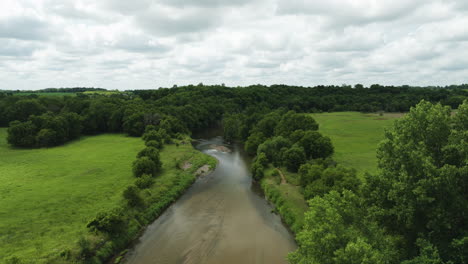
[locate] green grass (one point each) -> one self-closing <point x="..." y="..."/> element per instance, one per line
<point x="48" y="195"/>
<point x="287" y="198"/>
<point x="355" y="136"/>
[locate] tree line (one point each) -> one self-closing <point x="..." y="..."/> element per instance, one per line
<point x="189" y="108"/>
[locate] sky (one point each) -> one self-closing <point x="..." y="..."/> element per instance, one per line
<point x="146" y="44"/>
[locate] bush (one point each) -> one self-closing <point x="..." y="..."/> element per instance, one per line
<point x="145" y="181"/>
<point x="153" y="154"/>
<point x="111" y="223"/>
<point x="154" y="144"/>
<point x="132" y="195"/>
<point x="144" y="165"/>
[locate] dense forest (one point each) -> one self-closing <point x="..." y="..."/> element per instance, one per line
<point x="49" y="121"/>
<point x="413" y="211"/>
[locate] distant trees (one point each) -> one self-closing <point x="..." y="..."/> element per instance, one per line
<point x="46" y="130"/>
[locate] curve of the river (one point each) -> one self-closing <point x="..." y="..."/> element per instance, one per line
<point x="220" y="219"/>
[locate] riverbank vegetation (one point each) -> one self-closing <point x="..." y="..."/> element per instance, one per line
<point x="412" y="210"/>
<point x="276" y="125"/>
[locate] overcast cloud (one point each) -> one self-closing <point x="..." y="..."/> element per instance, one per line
<point x="143" y="44"/>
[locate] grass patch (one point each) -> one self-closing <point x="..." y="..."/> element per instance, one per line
<point x="47" y="196"/>
<point x="355" y="136"/>
<point x="287" y="198"/>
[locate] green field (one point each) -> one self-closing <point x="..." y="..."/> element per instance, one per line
<point x="48" y="195"/>
<point x="355" y="136"/>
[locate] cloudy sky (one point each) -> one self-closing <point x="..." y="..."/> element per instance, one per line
<point x="142" y="44"/>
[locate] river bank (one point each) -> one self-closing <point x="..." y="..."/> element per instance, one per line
<point x="168" y="187"/>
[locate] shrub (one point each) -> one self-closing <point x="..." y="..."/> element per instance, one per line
<point x="154" y="144"/>
<point x="145" y="181"/>
<point x="132" y="195"/>
<point x="144" y="165"/>
<point x="111" y="223"/>
<point x="152" y="154"/>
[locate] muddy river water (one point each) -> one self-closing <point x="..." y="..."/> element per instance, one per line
<point x="221" y="219"/>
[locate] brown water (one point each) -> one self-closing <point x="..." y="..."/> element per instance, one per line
<point x="220" y="219"/>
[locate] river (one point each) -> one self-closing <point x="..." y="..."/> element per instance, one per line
<point x="220" y="219"/>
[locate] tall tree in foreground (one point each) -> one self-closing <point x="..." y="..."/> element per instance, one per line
<point x="415" y="211"/>
<point x="421" y="193"/>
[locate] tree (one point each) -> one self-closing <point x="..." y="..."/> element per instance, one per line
<point x="22" y="134"/>
<point x="337" y="230"/>
<point x="24" y="108"/>
<point x="111" y="223"/>
<point x="132" y="196"/>
<point x="274" y="149"/>
<point x="292" y="121"/>
<point x="421" y="190"/>
<point x="144" y="165"/>
<point x="134" y="124"/>
<point x="294" y="157"/>
<point x="253" y="141"/>
<point x="145" y="181"/>
<point x="315" y="145"/>
<point x="153" y="154"/>
<point x="46" y="138"/>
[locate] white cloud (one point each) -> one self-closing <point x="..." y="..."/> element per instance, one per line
<point x="150" y="43"/>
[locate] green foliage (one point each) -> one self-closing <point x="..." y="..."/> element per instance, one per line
<point x="132" y="196"/>
<point x="287" y="199"/>
<point x="154" y="144"/>
<point x="417" y="194"/>
<point x="46" y="137"/>
<point x="292" y="121"/>
<point x="144" y="182"/>
<point x="153" y="154"/>
<point x="274" y="149"/>
<point x="22" y="134"/>
<point x="262" y="159"/>
<point x="337" y="231"/>
<point x="294" y="157"/>
<point x="111" y="223"/>
<point x="315" y="145"/>
<point x="320" y="180"/>
<point x="144" y="165"/>
<point x="253" y="141"/>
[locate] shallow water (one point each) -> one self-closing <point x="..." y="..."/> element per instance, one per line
<point x="220" y="219"/>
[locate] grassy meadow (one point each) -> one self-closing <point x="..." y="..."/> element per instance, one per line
<point x="355" y="136"/>
<point x="48" y="195"/>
